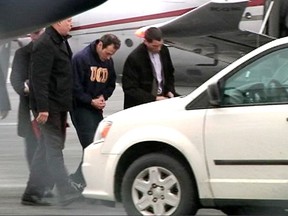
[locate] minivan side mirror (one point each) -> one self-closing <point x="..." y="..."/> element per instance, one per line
<point x="214" y="94"/>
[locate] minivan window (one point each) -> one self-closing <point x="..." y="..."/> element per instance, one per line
<point x="265" y="80"/>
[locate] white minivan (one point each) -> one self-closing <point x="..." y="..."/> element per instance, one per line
<point x="225" y="145"/>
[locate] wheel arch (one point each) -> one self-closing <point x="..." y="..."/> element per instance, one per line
<point x="144" y="148"/>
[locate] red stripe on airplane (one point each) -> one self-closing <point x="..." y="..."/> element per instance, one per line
<point x="150" y="17"/>
<point x="256" y="3"/>
<point x="133" y="19"/>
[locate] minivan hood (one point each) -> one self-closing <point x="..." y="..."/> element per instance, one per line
<point x="157" y="109"/>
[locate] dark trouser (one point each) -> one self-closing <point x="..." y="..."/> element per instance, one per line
<point x="85" y="121"/>
<point x="31" y="144"/>
<point x="48" y="160"/>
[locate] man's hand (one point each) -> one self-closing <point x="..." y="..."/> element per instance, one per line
<point x="42" y="117"/>
<point x="4" y="114"/>
<point x="158" y="98"/>
<point x="170" y="95"/>
<point x="99" y="102"/>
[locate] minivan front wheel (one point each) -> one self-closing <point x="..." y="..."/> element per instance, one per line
<point x="158" y="184"/>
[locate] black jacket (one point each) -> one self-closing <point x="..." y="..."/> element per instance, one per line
<point x="51" y="73"/>
<point x="138" y="78"/>
<point x="19" y="74"/>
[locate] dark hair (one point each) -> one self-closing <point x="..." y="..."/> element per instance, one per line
<point x="109" y="39"/>
<point x="153" y="33"/>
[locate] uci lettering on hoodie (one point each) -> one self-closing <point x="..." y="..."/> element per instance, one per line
<point x="99" y="74"/>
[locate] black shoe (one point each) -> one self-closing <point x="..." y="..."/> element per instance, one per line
<point x="77" y="179"/>
<point x="77" y="186"/>
<point x="33" y="200"/>
<point x="71" y="194"/>
<point x="69" y="198"/>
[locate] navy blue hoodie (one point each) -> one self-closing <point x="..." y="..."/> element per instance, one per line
<point x="92" y="77"/>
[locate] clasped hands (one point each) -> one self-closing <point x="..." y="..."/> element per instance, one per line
<point x="99" y="102"/>
<point x="168" y="95"/>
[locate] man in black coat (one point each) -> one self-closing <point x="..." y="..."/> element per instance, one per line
<point x="148" y="73"/>
<point x="51" y="99"/>
<point x="19" y="79"/>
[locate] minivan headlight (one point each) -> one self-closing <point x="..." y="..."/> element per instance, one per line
<point x="102" y="130"/>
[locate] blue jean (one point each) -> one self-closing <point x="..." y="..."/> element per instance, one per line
<point x="85" y="121"/>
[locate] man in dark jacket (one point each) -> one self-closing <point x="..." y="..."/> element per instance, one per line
<point x="51" y="99"/>
<point x="148" y="73"/>
<point x="20" y="82"/>
<point x="94" y="83"/>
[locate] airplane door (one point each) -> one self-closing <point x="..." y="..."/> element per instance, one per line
<point x="246" y="139"/>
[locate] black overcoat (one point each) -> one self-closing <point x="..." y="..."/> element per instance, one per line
<point x="19" y="74"/>
<point x="138" y="76"/>
<point x="51" y="73"/>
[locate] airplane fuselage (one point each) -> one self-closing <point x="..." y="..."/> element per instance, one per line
<point x="124" y="18"/>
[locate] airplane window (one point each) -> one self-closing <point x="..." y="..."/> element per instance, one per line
<point x="129" y="42"/>
<point x="263" y="81"/>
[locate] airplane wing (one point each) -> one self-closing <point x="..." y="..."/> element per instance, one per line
<point x="18" y="17"/>
<point x="213" y="30"/>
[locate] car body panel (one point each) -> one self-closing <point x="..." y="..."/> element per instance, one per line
<point x="248" y="158"/>
<point x="103" y="180"/>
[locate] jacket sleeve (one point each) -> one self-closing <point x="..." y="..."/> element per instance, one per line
<point x="78" y="64"/>
<point x="169" y="72"/>
<point x="131" y="81"/>
<point x="19" y="72"/>
<point x="111" y="84"/>
<point x="42" y="58"/>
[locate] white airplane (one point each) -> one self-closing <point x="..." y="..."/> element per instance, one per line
<point x="202" y="33"/>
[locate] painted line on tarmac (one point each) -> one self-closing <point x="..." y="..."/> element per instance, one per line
<point x="8" y="124"/>
<point x="12" y="185"/>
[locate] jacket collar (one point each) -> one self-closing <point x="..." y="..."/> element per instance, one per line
<point x="56" y="36"/>
<point x="60" y="40"/>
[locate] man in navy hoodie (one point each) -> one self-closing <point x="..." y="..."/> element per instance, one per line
<point x="94" y="83"/>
